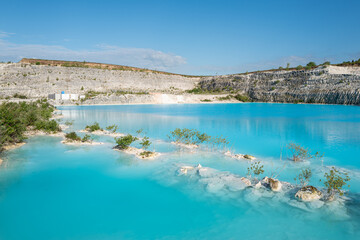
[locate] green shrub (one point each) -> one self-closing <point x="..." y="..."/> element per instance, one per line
<point x="69" y="123"/>
<point x="299" y="67"/>
<point x="335" y="181"/>
<point x="47" y="126"/>
<point x="125" y="141"/>
<point x="300" y="153"/>
<point x="256" y="169"/>
<point x="192" y="136"/>
<point x="304" y="177"/>
<point x="93" y="127"/>
<point x="72" y="136"/>
<point x="17" y="95"/>
<point x="242" y="98"/>
<point x="145" y="143"/>
<point x="146" y="153"/>
<point x="16" y="117"/>
<point x="311" y="64"/>
<point x="112" y="128"/>
<point x="86" y="138"/>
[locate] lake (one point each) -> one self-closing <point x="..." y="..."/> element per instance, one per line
<point x="49" y="190"/>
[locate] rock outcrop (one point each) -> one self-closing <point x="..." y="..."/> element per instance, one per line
<point x="308" y="193"/>
<point x="325" y="84"/>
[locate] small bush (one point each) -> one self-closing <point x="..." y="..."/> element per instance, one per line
<point x="335" y="181"/>
<point x="145" y="143"/>
<point x="304" y="177"/>
<point x="146" y="153"/>
<point x="112" y="128"/>
<point x="17" y="95"/>
<point x="124" y="142"/>
<point x="93" y="127"/>
<point x="300" y="153"/>
<point x="69" y="123"/>
<point x="311" y="64"/>
<point x="47" y="126"/>
<point x="256" y="169"/>
<point x="242" y="98"/>
<point x="72" y="136"/>
<point x="86" y="138"/>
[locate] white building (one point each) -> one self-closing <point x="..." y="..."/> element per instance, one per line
<point x="65" y="96"/>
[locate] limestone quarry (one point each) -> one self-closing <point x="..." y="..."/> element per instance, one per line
<point x="112" y="84"/>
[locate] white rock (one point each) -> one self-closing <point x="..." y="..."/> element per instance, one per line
<point x="275" y="185"/>
<point x="308" y="193"/>
<point x="258" y="184"/>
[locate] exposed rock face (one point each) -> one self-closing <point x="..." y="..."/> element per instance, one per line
<point x="308" y="193"/>
<point x="41" y="80"/>
<point x="330" y="84"/>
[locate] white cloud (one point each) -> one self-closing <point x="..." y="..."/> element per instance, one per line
<point x="137" y="57"/>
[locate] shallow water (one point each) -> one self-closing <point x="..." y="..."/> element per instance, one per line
<point x="53" y="191"/>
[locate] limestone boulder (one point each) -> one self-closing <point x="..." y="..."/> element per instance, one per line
<point x="308" y="193"/>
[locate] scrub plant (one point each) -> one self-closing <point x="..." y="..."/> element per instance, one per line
<point x="195" y="137"/>
<point x="255" y="168"/>
<point x="300" y="153"/>
<point x="112" y="128"/>
<point x="145" y="143"/>
<point x="139" y="132"/>
<point x="17" y="118"/>
<point x="304" y="177"/>
<point x="335" y="180"/>
<point x="86" y="138"/>
<point x="72" y="136"/>
<point x="93" y="127"/>
<point x="69" y="123"/>
<point x="124" y="142"/>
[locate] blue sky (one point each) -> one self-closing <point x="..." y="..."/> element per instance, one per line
<point x="190" y="37"/>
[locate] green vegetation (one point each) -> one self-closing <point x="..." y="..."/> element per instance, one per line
<point x="335" y="181"/>
<point x="300" y="153"/>
<point x="17" y="95"/>
<point x="93" y="127"/>
<point x="112" y="128"/>
<point x="350" y="63"/>
<point x="192" y="136"/>
<point x="255" y="169"/>
<point x="86" y="138"/>
<point x="304" y="177"/>
<point x="139" y="132"/>
<point x="72" y="136"/>
<point x="69" y="123"/>
<point x="242" y="98"/>
<point x="228" y="97"/>
<point x="145" y="143"/>
<point x="205" y="100"/>
<point x="146" y="153"/>
<point x="124" y="142"/>
<point x="16" y="118"/>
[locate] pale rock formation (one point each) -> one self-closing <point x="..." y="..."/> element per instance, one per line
<point x="308" y="193"/>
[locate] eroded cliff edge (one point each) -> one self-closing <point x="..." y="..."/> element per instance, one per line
<point x="125" y="85"/>
<point x="324" y="84"/>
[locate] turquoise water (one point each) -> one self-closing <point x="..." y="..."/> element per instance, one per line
<point x="53" y="191"/>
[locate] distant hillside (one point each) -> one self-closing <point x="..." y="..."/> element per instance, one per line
<point x="90" y="65"/>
